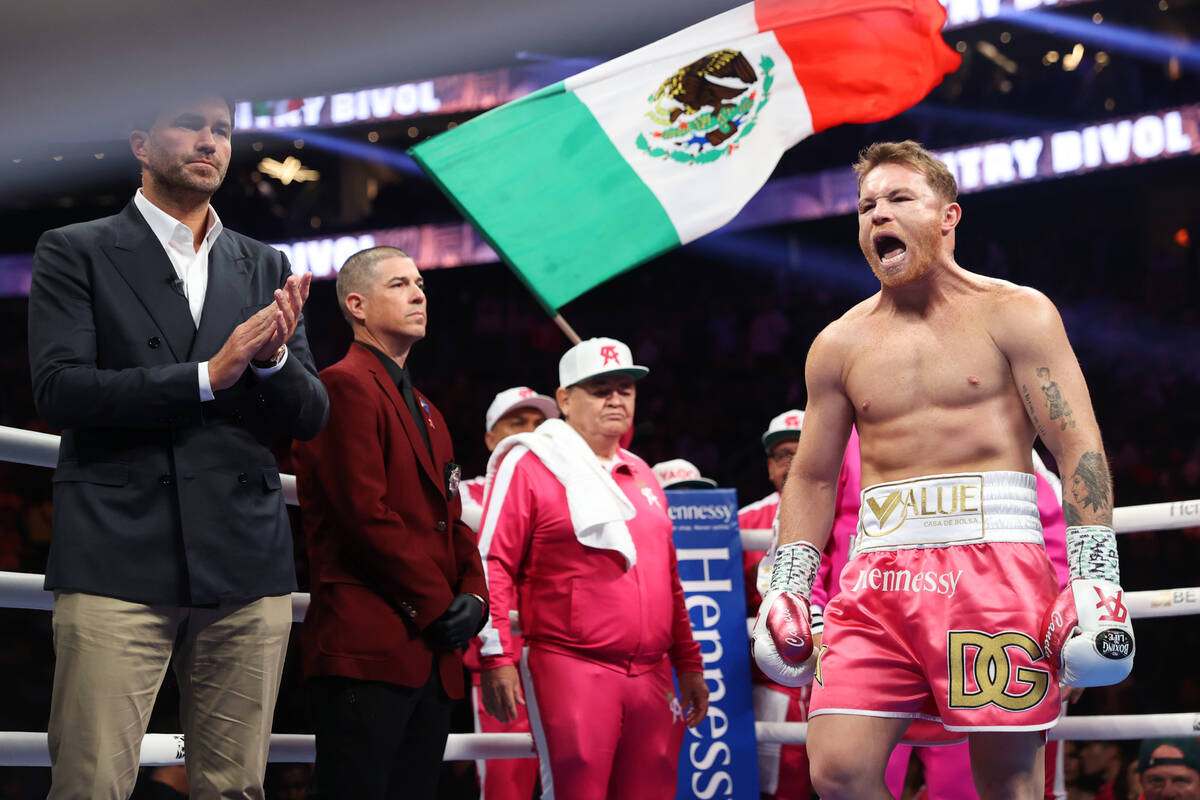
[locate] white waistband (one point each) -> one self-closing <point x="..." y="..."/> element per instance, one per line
<point x="943" y="510"/>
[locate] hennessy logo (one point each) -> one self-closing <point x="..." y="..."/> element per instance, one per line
<point x="609" y="353"/>
<point x="524" y="393"/>
<point x="1112" y="605"/>
<point x="938" y="499"/>
<point x="992" y="671"/>
<point x="791" y="421"/>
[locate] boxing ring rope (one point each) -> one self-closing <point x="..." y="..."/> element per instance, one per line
<point x="23" y="749"/>
<point x="1171" y="515"/>
<point x="41" y="450"/>
<point x="24" y="591"/>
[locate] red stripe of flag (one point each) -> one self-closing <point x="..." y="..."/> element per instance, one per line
<point x="860" y="60"/>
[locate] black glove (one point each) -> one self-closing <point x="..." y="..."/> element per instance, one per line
<point x="457" y="624"/>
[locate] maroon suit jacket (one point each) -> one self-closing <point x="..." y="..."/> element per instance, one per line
<point x="386" y="547"/>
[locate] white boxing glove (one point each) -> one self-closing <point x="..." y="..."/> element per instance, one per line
<point x="1086" y="634"/>
<point x="782" y="641"/>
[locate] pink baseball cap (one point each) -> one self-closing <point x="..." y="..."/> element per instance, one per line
<point x="592" y="358"/>
<point x="679" y="473"/>
<point x="519" y="397"/>
<point x="785" y="426"/>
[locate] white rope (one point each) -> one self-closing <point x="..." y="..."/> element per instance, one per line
<point x="22" y="749"/>
<point x="41" y="450"/>
<point x="1128" y="726"/>
<point x="24" y="590"/>
<point x="1126" y="519"/>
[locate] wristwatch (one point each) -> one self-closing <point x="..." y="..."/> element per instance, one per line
<point x="273" y="361"/>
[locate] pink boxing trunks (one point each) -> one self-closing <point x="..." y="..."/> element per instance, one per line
<point x="940" y="607"/>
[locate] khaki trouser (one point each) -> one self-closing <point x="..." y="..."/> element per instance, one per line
<point x="111" y="656"/>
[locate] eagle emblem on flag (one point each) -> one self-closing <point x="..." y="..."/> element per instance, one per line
<point x="703" y="111"/>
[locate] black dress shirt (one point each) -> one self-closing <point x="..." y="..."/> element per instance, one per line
<point x="403" y="381"/>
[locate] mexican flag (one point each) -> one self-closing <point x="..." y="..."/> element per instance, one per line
<point x="589" y="177"/>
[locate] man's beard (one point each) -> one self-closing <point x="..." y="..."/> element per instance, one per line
<point x="922" y="243"/>
<point x="178" y="178"/>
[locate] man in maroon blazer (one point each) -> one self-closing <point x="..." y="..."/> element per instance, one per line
<point x="397" y="585"/>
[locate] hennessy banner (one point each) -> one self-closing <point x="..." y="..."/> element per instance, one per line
<point x="719" y="758"/>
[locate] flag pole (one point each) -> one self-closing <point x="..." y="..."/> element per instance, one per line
<point x="567" y="329"/>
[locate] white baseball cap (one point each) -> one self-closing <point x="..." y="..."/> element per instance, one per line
<point x="519" y="397"/>
<point x="785" y="426"/>
<point x="592" y="358"/>
<point x="679" y="473"/>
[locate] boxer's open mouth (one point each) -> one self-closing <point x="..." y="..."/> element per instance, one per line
<point x="889" y="248"/>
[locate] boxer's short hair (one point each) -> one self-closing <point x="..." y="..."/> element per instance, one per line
<point x="910" y="154"/>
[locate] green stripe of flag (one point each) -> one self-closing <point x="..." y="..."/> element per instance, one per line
<point x="545" y="186"/>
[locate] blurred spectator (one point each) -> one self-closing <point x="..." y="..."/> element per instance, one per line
<point x="1170" y="769"/>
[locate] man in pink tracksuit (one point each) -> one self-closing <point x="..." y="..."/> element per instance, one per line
<point x="576" y="536"/>
<point x="516" y="410"/>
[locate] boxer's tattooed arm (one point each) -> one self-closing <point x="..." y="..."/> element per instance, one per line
<point x="1059" y="408"/>
<point x="1033" y="415"/>
<point x="1090" y="489"/>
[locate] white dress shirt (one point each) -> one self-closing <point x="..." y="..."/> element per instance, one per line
<point x="191" y="267"/>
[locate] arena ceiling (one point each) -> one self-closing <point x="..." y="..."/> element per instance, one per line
<point x="69" y="68"/>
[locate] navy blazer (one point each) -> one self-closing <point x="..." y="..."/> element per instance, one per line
<point x="159" y="498"/>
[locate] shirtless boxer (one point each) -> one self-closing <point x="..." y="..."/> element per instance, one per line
<point x="949" y="608"/>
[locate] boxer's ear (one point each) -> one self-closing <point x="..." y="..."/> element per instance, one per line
<point x="951" y="215"/>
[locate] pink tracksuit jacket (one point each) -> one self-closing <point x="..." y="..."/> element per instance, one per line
<point x="578" y="600"/>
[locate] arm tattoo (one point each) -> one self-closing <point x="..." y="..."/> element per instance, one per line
<point x="1033" y="415"/>
<point x="1090" y="490"/>
<point x="1059" y="408"/>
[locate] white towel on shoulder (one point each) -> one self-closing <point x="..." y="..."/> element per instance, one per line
<point x="597" y="505"/>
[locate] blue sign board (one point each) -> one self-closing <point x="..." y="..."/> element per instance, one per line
<point x="719" y="758"/>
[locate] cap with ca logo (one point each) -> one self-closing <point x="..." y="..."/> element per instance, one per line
<point x="592" y="358"/>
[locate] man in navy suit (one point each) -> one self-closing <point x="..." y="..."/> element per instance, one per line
<point x="171" y="353"/>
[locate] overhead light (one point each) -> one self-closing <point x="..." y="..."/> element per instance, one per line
<point x="290" y="169"/>
<point x="1071" y="60"/>
<point x="97" y="156"/>
<point x="1097" y="18"/>
<point x="373" y="136"/>
<point x="996" y="57"/>
<point x="1005" y="37"/>
<point x="1051" y="57"/>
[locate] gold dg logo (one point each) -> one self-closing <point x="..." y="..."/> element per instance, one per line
<point x="993" y="670"/>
